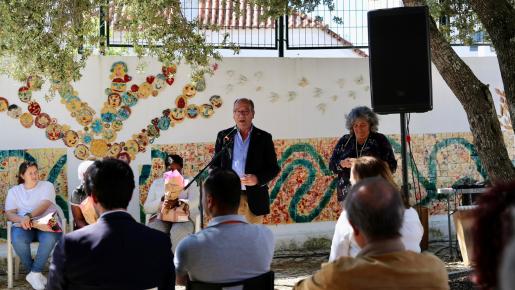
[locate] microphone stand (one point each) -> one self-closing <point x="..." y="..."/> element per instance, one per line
<point x="199" y="177"/>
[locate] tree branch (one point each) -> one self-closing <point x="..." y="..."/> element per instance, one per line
<point x="477" y="102"/>
<point x="498" y="18"/>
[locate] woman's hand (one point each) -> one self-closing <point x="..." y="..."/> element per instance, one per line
<point x="26" y="223"/>
<point x="347" y="162"/>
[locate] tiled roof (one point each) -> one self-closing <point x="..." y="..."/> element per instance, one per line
<point x="216" y="12"/>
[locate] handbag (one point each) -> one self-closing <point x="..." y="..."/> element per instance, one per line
<point x="88" y="211"/>
<point x="48" y="222"/>
<point x="176" y="210"/>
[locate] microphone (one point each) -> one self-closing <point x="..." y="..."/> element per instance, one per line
<point x="227" y="138"/>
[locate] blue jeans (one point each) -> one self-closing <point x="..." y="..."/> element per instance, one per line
<point x="21" y="240"/>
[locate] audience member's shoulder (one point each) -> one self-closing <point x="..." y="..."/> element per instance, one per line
<point x="152" y="233"/>
<point x="410" y="213"/>
<point x="46" y="184"/>
<point x="15" y="188"/>
<point x="190" y="242"/>
<point x="264" y="230"/>
<point x="159" y="179"/>
<point x="344" y="265"/>
<point x="424" y="260"/>
<point x="430" y="258"/>
<point x="81" y="235"/>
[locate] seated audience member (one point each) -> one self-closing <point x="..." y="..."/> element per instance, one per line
<point x="82" y="207"/>
<point x="375" y="211"/>
<point x="31" y="198"/>
<point x="116" y="252"/>
<point x="155" y="198"/>
<point x="411" y="231"/>
<point x="229" y="249"/>
<point x="493" y="227"/>
<point x="508" y="264"/>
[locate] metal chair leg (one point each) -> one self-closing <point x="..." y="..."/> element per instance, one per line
<point x="16" y="267"/>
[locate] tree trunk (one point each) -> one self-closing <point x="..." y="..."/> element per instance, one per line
<point x="476" y="99"/>
<point x="498" y="18"/>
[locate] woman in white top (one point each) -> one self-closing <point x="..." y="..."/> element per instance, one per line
<point x="31" y="198"/>
<point x="155" y="198"/>
<point x="343" y="242"/>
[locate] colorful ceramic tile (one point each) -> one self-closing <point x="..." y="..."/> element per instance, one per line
<point x="26" y="120"/>
<point x="192" y="111"/>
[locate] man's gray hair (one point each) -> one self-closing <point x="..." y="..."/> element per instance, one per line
<point x="375" y="207"/>
<point x="362" y="112"/>
<point x="246" y="101"/>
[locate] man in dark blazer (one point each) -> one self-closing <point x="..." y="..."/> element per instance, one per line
<point x="250" y="152"/>
<point x="117" y="252"/>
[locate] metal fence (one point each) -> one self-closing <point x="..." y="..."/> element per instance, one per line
<point x="343" y="26"/>
<point x="245" y="28"/>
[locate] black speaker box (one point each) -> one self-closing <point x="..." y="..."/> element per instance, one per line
<point x="400" y="60"/>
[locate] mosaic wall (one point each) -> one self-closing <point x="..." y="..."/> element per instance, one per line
<point x="304" y="190"/>
<point x="52" y="167"/>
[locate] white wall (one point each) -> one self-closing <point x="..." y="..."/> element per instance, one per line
<point x="299" y="118"/>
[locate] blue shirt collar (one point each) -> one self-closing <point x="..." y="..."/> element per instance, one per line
<point x="250" y="132"/>
<point x="224" y="218"/>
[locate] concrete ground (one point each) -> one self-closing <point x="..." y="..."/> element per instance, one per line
<point x="293" y="265"/>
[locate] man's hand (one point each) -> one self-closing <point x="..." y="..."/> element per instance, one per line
<point x="249" y="179"/>
<point x="25" y="222"/>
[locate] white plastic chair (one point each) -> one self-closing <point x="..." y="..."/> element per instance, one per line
<point x="11" y="254"/>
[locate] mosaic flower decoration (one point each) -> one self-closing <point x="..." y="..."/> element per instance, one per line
<point x="98" y="135"/>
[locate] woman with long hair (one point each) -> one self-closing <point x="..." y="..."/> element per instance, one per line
<point x="411" y="232"/>
<point x="363" y="140"/>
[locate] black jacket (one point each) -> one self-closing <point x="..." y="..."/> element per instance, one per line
<point x="261" y="161"/>
<point x="115" y="253"/>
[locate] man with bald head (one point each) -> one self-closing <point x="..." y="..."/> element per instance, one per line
<point x="375" y="212"/>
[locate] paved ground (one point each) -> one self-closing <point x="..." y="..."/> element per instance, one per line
<point x="292" y="266"/>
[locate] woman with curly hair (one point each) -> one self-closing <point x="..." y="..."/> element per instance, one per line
<point x="363" y="140"/>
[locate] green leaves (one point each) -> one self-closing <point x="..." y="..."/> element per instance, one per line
<point x="54" y="38"/>
<point x="43" y="37"/>
<point x="457" y="21"/>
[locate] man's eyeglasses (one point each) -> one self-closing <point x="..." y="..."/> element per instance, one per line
<point x="242" y="113"/>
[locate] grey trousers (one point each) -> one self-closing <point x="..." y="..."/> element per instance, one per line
<point x="177" y="231"/>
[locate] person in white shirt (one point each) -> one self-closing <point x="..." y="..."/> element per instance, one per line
<point x="31" y="198"/>
<point x="155" y="198"/>
<point x="344" y="244"/>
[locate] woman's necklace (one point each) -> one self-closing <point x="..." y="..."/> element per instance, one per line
<point x="363" y="147"/>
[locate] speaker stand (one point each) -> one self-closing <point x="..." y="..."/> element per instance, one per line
<point x="404" y="156"/>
